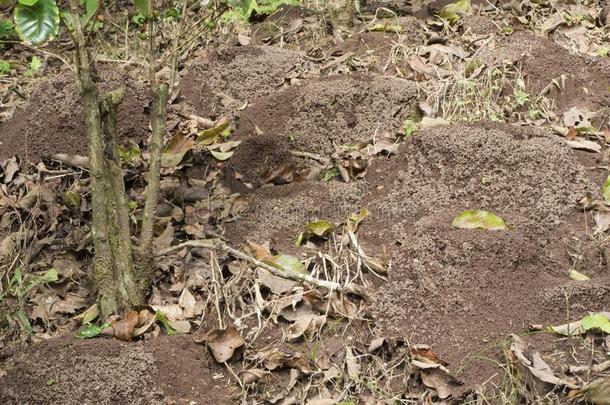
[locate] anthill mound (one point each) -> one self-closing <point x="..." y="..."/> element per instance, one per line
<point x="587" y="78"/>
<point x="277" y="214"/>
<point x="53" y="121"/>
<point x="463" y="290"/>
<point x="106" y="371"/>
<point x="317" y="116"/>
<point x="226" y="80"/>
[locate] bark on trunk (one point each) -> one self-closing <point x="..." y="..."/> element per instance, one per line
<point x="118" y="289"/>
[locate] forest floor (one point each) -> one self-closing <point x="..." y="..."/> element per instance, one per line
<point x="368" y="147"/>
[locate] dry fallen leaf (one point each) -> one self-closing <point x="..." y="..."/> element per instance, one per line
<point x="439" y="380"/>
<point x="124" y="328"/>
<point x="224" y="342"/>
<point x="352" y="364"/>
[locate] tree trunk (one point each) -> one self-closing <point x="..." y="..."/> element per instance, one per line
<point x="118" y="288"/>
<point x="341" y="14"/>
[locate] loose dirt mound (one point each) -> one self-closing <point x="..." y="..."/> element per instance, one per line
<point x="52" y="122"/>
<point x="317" y="115"/>
<point x="462" y="290"/>
<point x="71" y="371"/>
<point x="226" y="79"/>
<point x="277" y="214"/>
<point x="587" y="81"/>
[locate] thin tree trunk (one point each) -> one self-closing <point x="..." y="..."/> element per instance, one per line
<point x="160" y="96"/>
<point x="113" y="261"/>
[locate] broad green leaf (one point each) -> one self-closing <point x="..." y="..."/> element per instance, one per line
<point x="355" y="218"/>
<point x="606" y="190"/>
<point x="221" y="155"/>
<point x="143" y="7"/>
<point x="578" y="276"/>
<point x="90" y="330"/>
<point x="479" y="219"/>
<point x="454" y="11"/>
<point x="90" y="9"/>
<point x="37" y="23"/>
<point x="596" y="321"/>
<point x="315" y="228"/>
<point x="209" y="136"/>
<point x="319" y="228"/>
<point x="161" y="317"/>
<point x="28" y="2"/>
<point x="249" y="6"/>
<point x="287" y="263"/>
<point x="89" y="315"/>
<point x="49" y="276"/>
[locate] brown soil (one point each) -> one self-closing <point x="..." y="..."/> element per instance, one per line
<point x="104" y="371"/>
<point x="461" y="290"/>
<point x="225" y="80"/>
<point x="52" y="122"/>
<point x="542" y="60"/>
<point x="315" y="116"/>
<point x="277" y="214"/>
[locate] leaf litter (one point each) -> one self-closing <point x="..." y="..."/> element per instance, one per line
<point x="251" y="298"/>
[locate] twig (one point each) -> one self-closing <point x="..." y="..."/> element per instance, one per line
<point x="33" y="48"/>
<point x="283" y="273"/>
<point x="314" y="156"/>
<point x="71" y="160"/>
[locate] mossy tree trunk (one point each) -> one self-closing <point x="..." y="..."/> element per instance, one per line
<point x="122" y="272"/>
<point x="341" y="14"/>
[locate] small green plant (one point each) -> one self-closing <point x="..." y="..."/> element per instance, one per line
<point x="408" y="127"/>
<point x="242" y="10"/>
<point x="19" y="286"/>
<point x="35" y="65"/>
<point x="5" y="67"/>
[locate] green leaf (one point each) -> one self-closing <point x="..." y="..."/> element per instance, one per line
<point x="221" y="155"/>
<point x="161" y="317"/>
<point x="408" y="127"/>
<point x="248" y="7"/>
<point x="143" y="7"/>
<point x="355" y="218"/>
<point x="209" y="136"/>
<point x="90" y="330"/>
<point x="453" y="11"/>
<point x="596" y="321"/>
<point x="578" y="276"/>
<point x="315" y="228"/>
<point x="479" y="219"/>
<point x="606" y="190"/>
<point x="90" y="9"/>
<point x="287" y="263"/>
<point x="49" y="276"/>
<point x="37" y="23"/>
<point x="28" y="2"/>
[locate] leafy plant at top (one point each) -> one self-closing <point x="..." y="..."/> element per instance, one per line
<point x="38" y="21"/>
